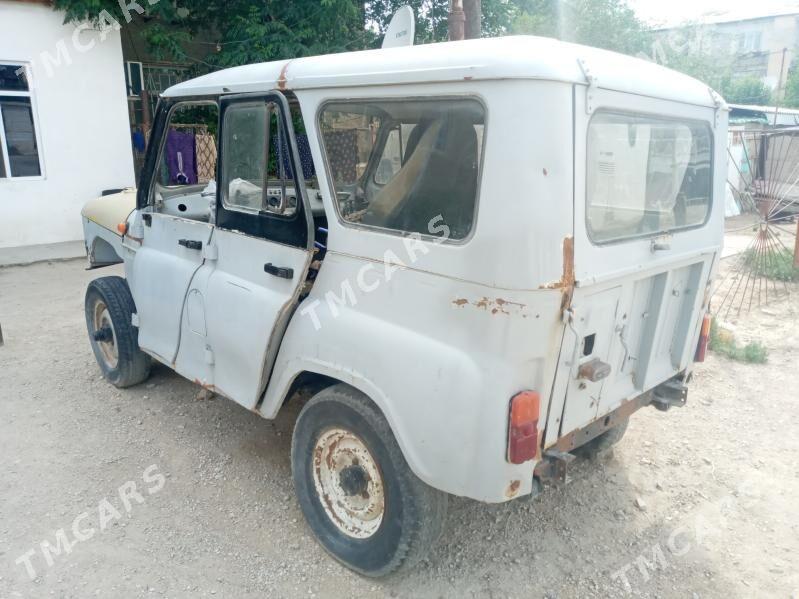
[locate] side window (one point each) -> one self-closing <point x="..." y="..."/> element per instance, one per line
<point x="19" y="150"/>
<point x="185" y="180"/>
<point x="410" y="165"/>
<point x="256" y="171"/>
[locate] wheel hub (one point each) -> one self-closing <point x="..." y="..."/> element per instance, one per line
<point x="348" y="482"/>
<point x="104" y="335"/>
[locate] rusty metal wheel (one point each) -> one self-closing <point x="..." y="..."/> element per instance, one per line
<point x="109" y="309"/>
<point x="104" y="335"/>
<point x="349" y="482"/>
<point x="357" y="493"/>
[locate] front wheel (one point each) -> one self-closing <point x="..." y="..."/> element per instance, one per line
<point x="357" y="493"/>
<point x="115" y="341"/>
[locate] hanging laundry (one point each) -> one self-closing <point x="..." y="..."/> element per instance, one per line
<point x="205" y="150"/>
<point x="304" y="150"/>
<point x="181" y="158"/>
<point x="138" y="141"/>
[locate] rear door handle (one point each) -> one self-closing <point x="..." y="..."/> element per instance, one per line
<point x="191" y="244"/>
<point x="279" y="271"/>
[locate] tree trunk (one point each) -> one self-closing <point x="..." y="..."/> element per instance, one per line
<point x="472" y="9"/>
<point x="456" y="20"/>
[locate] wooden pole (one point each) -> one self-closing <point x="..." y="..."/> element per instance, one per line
<point x="456" y="20"/>
<point x="472" y="10"/>
<point x="778" y="94"/>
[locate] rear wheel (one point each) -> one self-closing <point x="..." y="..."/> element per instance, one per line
<point x="109" y="307"/>
<point x="358" y="495"/>
<point x="599" y="445"/>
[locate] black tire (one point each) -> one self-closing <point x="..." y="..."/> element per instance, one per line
<point x="413" y="513"/>
<point x="111" y="296"/>
<point x="601" y="444"/>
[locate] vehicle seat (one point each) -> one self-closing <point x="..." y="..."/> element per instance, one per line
<point x="439" y="179"/>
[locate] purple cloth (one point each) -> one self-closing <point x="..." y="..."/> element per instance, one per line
<point x="180" y="158"/>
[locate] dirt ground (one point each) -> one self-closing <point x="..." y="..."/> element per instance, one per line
<point x="696" y="502"/>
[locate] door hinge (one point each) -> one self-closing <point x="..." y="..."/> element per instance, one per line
<point x="209" y="356"/>
<point x="590" y="91"/>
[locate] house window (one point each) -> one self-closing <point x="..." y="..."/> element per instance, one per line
<point x="19" y="149"/>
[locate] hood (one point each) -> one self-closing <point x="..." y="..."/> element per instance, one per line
<point x="108" y="211"/>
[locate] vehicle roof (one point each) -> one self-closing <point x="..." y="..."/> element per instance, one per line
<point x="512" y="57"/>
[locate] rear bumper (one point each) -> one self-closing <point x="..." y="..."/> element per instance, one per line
<point x="672" y="393"/>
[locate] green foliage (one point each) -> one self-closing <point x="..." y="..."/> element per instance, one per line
<point x="431" y="16"/>
<point x="723" y="343"/>
<point x="747" y="90"/>
<point x="776" y="264"/>
<point x="608" y="24"/>
<point x="245" y="31"/>
<point x="792" y="86"/>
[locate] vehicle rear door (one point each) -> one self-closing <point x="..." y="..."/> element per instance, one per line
<point x="648" y="226"/>
<point x="256" y="264"/>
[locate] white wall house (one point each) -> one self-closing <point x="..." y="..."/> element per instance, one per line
<point x="64" y="133"/>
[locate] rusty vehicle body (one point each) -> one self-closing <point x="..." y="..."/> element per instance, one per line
<point x="485" y="254"/>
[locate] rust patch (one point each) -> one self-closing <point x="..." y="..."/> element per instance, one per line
<point x="566" y="282"/>
<point x="494" y="306"/>
<point x="282" y="79"/>
<point x="207" y="386"/>
<point x="513" y="489"/>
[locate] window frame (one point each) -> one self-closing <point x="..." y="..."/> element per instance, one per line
<point x="415" y="98"/>
<point x="654" y="116"/>
<point x="192" y="101"/>
<point x="268" y="150"/>
<point x="295" y="230"/>
<point x="4" y="156"/>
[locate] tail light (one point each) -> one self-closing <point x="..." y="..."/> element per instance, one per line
<point x="704" y="339"/>
<point x="523" y="427"/>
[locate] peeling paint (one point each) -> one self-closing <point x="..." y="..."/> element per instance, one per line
<point x="283" y="78"/>
<point x="494" y="306"/>
<point x="566" y="282"/>
<point x="513" y="489"/>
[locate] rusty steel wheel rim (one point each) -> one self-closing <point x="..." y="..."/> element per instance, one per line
<point x="348" y="483"/>
<point x="108" y="343"/>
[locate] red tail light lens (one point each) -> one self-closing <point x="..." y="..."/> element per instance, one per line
<point x="704" y="339"/>
<point x="523" y="427"/>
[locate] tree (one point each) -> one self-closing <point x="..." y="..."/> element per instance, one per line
<point x="431" y="17"/>
<point x="746" y="90"/>
<point x="608" y="24"/>
<point x="245" y="31"/>
<point x="791" y="99"/>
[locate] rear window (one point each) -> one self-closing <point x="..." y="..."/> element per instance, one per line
<point x="646" y="175"/>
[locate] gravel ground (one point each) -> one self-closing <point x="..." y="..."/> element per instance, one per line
<point x="697" y="502"/>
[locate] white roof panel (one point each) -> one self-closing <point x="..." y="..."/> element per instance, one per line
<point x="514" y="57"/>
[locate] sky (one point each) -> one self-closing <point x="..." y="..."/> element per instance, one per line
<point x="674" y="12"/>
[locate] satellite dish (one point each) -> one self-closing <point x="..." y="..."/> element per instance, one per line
<point x="401" y="30"/>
